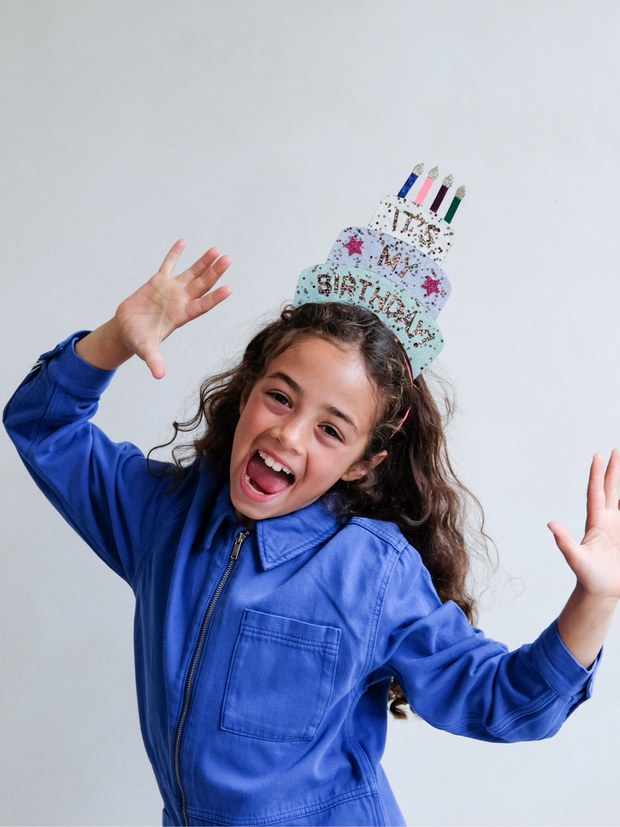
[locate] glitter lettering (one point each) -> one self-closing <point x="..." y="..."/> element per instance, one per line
<point x="395" y="222"/>
<point x="366" y="284"/>
<point x="426" y="237"/>
<point x="427" y="339"/>
<point x="336" y="281"/>
<point x="421" y="331"/>
<point x="382" y="300"/>
<point x="384" y="258"/>
<point x="408" y="267"/>
<point x="408" y="321"/>
<point x="400" y="308"/>
<point x="324" y="284"/>
<point x="348" y="285"/>
<point x="417" y="217"/>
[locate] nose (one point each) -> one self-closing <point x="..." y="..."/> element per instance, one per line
<point x="290" y="432"/>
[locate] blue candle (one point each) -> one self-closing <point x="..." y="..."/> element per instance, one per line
<point x="417" y="171"/>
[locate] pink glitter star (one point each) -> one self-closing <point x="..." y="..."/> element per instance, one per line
<point x="431" y="285"/>
<point x="354" y="245"/>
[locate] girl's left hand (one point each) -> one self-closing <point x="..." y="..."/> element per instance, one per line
<point x="596" y="561"/>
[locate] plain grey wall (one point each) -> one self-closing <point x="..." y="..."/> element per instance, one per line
<point x="265" y="127"/>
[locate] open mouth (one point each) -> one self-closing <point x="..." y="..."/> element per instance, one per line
<point x="266" y="475"/>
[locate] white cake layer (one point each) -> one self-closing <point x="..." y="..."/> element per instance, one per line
<point x="414" y="224"/>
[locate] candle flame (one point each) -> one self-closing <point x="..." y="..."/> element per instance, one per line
<point x="433" y="173"/>
<point x="460" y="193"/>
<point x="418" y="169"/>
<point x="447" y="181"/>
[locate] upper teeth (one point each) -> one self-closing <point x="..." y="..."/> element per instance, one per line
<point x="272" y="463"/>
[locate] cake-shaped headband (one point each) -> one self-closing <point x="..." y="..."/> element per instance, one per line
<point x="392" y="267"/>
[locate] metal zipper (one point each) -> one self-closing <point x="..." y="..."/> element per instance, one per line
<point x="234" y="554"/>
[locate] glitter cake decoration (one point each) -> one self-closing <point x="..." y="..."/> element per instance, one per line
<point x="392" y="267"/>
<point x="414" y="224"/>
<point x="396" y="260"/>
<point x="395" y="306"/>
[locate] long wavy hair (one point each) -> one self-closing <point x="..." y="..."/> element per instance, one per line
<point x="415" y="486"/>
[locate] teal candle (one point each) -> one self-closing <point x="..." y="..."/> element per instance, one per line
<point x="458" y="197"/>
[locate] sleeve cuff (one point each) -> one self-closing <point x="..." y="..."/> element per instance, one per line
<point x="564" y="674"/>
<point x="72" y="373"/>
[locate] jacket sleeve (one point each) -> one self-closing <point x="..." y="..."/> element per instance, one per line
<point x="104" y="490"/>
<point x="460" y="681"/>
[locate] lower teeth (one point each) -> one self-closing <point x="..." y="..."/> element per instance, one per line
<point x="252" y="485"/>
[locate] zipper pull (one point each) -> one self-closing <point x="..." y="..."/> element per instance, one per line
<point x="239" y="539"/>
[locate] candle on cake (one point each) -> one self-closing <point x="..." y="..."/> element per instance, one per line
<point x="458" y="197"/>
<point x="432" y="177"/>
<point x="417" y="171"/>
<point x="443" y="189"/>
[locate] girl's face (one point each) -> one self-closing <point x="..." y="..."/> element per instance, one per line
<point x="304" y="426"/>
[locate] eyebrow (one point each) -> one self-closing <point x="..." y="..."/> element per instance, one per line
<point x="284" y="377"/>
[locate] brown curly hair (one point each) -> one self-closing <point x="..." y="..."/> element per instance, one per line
<point x="415" y="486"/>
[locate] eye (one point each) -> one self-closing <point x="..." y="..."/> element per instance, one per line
<point x="279" y="397"/>
<point x="331" y="432"/>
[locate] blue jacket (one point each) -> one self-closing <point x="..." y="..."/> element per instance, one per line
<point x="263" y="658"/>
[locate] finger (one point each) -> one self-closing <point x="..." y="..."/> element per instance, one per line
<point x="203" y="283"/>
<point x="596" y="492"/>
<point x="172" y="257"/>
<point x="154" y="360"/>
<point x="569" y="547"/>
<point x="199" y="267"/>
<point x="200" y="306"/>
<point x="612" y="480"/>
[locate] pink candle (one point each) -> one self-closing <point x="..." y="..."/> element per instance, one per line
<point x="432" y="176"/>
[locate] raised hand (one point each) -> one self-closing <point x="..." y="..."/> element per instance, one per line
<point x="585" y="620"/>
<point x="155" y="310"/>
<point x="596" y="561"/>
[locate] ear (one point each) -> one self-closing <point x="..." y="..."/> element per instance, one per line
<point x="360" y="469"/>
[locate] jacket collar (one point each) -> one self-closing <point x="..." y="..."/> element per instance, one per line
<point x="280" y="538"/>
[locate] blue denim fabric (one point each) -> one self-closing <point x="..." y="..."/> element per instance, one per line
<point x="286" y="719"/>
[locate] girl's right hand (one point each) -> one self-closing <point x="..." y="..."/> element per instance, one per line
<point x="155" y="310"/>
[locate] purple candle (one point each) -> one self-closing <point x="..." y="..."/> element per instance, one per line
<point x="443" y="189"/>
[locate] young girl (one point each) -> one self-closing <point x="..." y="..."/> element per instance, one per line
<point x="309" y="561"/>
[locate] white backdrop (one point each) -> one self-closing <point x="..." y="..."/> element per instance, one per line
<point x="265" y="127"/>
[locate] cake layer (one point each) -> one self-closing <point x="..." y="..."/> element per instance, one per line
<point x="414" y="224"/>
<point x="396" y="260"/>
<point x="416" y="329"/>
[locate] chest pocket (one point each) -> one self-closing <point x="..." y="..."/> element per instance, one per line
<point x="281" y="677"/>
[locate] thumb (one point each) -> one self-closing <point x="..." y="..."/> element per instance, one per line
<point x="569" y="547"/>
<point x="154" y="361"/>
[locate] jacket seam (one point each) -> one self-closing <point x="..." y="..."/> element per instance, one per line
<point x="357" y="748"/>
<point x="297" y="812"/>
<point x="374" y="527"/>
<point x="39" y="441"/>
<point x="541" y="672"/>
<point x="299" y="641"/>
<point x="497" y="730"/>
<point x="148" y="549"/>
<point x="364" y="760"/>
<point x="314" y="543"/>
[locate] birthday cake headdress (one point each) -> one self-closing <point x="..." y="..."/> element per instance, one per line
<point x="392" y="267"/>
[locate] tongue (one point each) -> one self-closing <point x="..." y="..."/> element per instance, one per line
<point x="266" y="479"/>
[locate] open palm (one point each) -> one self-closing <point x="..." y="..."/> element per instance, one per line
<point x="596" y="561"/>
<point x="167" y="302"/>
